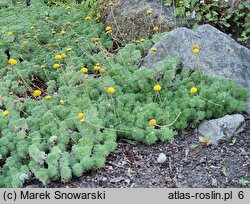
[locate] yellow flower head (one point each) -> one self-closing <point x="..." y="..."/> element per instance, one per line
<point x="97" y="67"/>
<point x="153" y="49"/>
<point x="142" y="40"/>
<point x="47" y="97"/>
<point x="152" y="122"/>
<point x="55" y="66"/>
<point x="58" y="57"/>
<point x="111" y="90"/>
<point x="157" y="87"/>
<point x="155" y="28"/>
<point x="193" y="90"/>
<point x="69" y="49"/>
<point x="53" y="32"/>
<point x="149" y="11"/>
<point x="37" y="93"/>
<point x="84" y="70"/>
<point x="10" y="33"/>
<point x="61" y="102"/>
<point x="82" y="121"/>
<point x="25" y="43"/>
<point x="80" y="116"/>
<point x="5" y="113"/>
<point x="12" y="61"/>
<point x="88" y="18"/>
<point x="63" y="55"/>
<point x="196" y="48"/>
<point x="108" y="28"/>
<point x="180" y="2"/>
<point x="102" y="70"/>
<point x="137" y="41"/>
<point x="63" y="32"/>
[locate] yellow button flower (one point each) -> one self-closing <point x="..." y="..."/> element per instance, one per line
<point x="157" y="87"/>
<point x="102" y="70"/>
<point x="155" y="28"/>
<point x="111" y="90"/>
<point x="55" y="66"/>
<point x="58" y="57"/>
<point x="153" y="49"/>
<point x="53" y="32"/>
<point x="196" y="48"/>
<point x="142" y="40"/>
<point x="108" y="28"/>
<point x="149" y="11"/>
<point x="69" y="49"/>
<point x="63" y="32"/>
<point x="25" y="43"/>
<point x="97" y="67"/>
<point x="37" y="93"/>
<point x="48" y="97"/>
<point x="80" y="116"/>
<point x="10" y="33"/>
<point x="12" y="61"/>
<point x="84" y="70"/>
<point x="88" y="18"/>
<point x="82" y="121"/>
<point x="137" y="41"/>
<point x="63" y="55"/>
<point x="61" y="102"/>
<point x="152" y="122"/>
<point x="5" y="113"/>
<point x="193" y="90"/>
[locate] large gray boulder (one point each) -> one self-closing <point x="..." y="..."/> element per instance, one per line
<point x="129" y="20"/>
<point x="219" y="54"/>
<point x="222" y="129"/>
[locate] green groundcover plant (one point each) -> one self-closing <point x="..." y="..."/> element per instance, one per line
<point x="65" y="99"/>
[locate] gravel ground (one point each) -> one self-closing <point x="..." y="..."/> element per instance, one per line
<point x="188" y="164"/>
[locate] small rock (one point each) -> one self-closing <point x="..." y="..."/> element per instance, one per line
<point x="241" y="142"/>
<point x="245" y="154"/>
<point x="127" y="181"/>
<point x="116" y="180"/>
<point x="214" y="182"/>
<point x="203" y="160"/>
<point x="198" y="168"/>
<point x="104" y="178"/>
<point x="222" y="129"/>
<point x="161" y="158"/>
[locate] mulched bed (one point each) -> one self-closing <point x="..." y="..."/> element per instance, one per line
<point x="189" y="164"/>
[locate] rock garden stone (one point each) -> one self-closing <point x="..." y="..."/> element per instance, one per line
<point x="219" y="54"/>
<point x="222" y="129"/>
<point x="130" y="21"/>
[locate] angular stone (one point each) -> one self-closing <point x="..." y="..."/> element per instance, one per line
<point x="222" y="129"/>
<point x="219" y="54"/>
<point x="129" y="20"/>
